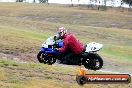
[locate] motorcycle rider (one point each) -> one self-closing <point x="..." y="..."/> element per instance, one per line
<point x="72" y="45"/>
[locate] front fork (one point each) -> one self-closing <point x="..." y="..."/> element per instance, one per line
<point x="42" y="49"/>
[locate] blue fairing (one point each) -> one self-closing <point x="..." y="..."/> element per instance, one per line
<point x="42" y="49"/>
<point x="60" y="44"/>
<point x="51" y="50"/>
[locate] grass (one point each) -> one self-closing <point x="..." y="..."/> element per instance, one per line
<point x="14" y="40"/>
<point x="116" y="44"/>
<point x="26" y="75"/>
<point x="123" y="54"/>
<point x="72" y="15"/>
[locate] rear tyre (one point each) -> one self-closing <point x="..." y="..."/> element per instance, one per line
<point x="93" y="61"/>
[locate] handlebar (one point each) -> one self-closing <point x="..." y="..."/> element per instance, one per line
<point x="55" y="45"/>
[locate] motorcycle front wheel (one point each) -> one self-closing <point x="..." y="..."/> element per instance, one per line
<point x="51" y="60"/>
<point x="41" y="57"/>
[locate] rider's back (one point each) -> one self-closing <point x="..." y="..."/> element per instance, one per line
<point x="73" y="44"/>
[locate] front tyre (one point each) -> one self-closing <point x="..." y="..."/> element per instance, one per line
<point x="93" y="61"/>
<point x="41" y="57"/>
<point x="51" y="60"/>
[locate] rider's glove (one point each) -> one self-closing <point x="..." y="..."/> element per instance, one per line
<point x="56" y="49"/>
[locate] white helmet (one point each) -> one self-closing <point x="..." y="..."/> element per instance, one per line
<point x="61" y="31"/>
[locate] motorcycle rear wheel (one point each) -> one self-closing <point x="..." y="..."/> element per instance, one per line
<point x="93" y="61"/>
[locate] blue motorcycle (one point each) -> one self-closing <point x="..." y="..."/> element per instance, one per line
<point x="89" y="57"/>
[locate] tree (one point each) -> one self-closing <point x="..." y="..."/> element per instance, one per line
<point x="128" y="2"/>
<point x="99" y="5"/>
<point x="121" y="3"/>
<point x="71" y="3"/>
<point x="112" y="3"/>
<point x="103" y="6"/>
<point x="19" y="0"/>
<point x="90" y="3"/>
<point x="105" y="1"/>
<point x="122" y="8"/>
<point x="78" y="2"/>
<point x="43" y="1"/>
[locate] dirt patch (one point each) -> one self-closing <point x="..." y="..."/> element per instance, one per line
<point x="19" y="57"/>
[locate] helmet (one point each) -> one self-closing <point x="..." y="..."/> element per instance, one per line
<point x="61" y="31"/>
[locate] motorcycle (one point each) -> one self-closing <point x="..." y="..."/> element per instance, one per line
<point x="89" y="57"/>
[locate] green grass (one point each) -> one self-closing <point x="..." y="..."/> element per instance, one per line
<point x="31" y="75"/>
<point x="33" y="35"/>
<point x="25" y="75"/>
<point x="17" y="40"/>
<point x="121" y="53"/>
